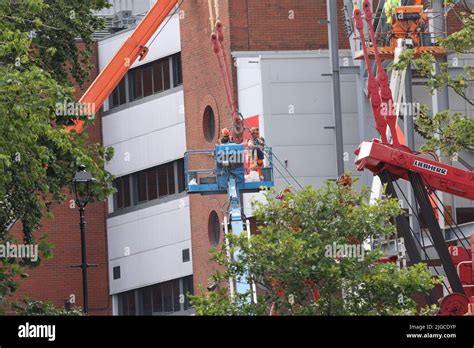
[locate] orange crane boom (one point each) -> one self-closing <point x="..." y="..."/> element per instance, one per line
<point x="132" y="49"/>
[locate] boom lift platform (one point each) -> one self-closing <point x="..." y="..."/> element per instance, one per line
<point x="391" y="160"/>
<point x="228" y="175"/>
<point x="409" y="23"/>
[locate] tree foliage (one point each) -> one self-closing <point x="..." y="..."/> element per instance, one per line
<point x="38" y="158"/>
<point x="295" y="254"/>
<point x="29" y="307"/>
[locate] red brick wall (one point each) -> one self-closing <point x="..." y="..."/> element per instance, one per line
<point x="453" y="22"/>
<point x="265" y="25"/>
<point x="54" y="280"/>
<point x="249" y="25"/>
<point x="202" y="87"/>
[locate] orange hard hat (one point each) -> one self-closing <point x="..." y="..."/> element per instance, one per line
<point x="225" y="131"/>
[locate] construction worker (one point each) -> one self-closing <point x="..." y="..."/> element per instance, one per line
<point x="390" y="10"/>
<point x="256" y="145"/>
<point x="225" y="136"/>
<point x="254" y="174"/>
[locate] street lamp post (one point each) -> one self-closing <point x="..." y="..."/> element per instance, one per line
<point x="82" y="190"/>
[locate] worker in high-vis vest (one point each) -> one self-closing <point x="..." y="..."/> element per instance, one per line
<point x="390" y="10"/>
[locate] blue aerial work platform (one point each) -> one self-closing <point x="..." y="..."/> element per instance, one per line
<point x="230" y="160"/>
<point x="231" y="174"/>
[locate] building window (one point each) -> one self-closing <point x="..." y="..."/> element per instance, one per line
<point x="209" y="124"/>
<point x="186" y="255"/>
<point x="180" y="175"/>
<point x="148" y="79"/>
<point x="159" y="299"/>
<point x="214" y="228"/>
<point x="177" y="70"/>
<point x="150" y="184"/>
<point x="166" y="182"/>
<point x="122" y="196"/>
<point x="464" y="215"/>
<point x="116" y="272"/>
<point x="135" y="78"/>
<point x="158" y="76"/>
<point x="166" y="74"/>
<point x="119" y="95"/>
<point x="126" y="302"/>
<point x="140" y="179"/>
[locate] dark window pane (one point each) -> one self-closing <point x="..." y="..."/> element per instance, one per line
<point x="152" y="184"/>
<point x="157" y="299"/>
<point x="180" y="168"/>
<point x="187" y="289"/>
<point x="122" y="92"/>
<point x="158" y="77"/>
<point x="186" y="256"/>
<point x="147" y="74"/>
<point x="168" y="297"/>
<point x="171" y="188"/>
<point x="176" y="296"/>
<point x="141" y="187"/>
<point x="166" y="74"/>
<point x="118" y="184"/>
<point x="127" y="303"/>
<point x="177" y="70"/>
<point x="126" y="191"/>
<point x="131" y="303"/>
<point x="163" y="180"/>
<point x="115" y="97"/>
<point x="121" y="304"/>
<point x="116" y="271"/>
<point x="136" y="84"/>
<point x="118" y="95"/>
<point x="147" y="301"/>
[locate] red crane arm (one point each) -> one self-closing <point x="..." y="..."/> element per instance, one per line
<point x="376" y="156"/>
<point x="132" y="49"/>
<point x="398" y="159"/>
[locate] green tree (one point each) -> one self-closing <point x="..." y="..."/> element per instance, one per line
<point x="39" y="62"/>
<point x="447" y="131"/>
<point x="298" y="251"/>
<point x="29" y="307"/>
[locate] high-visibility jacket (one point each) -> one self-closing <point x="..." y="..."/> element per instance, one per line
<point x="390" y="7"/>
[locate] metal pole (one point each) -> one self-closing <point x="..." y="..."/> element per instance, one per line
<point x="84" y="259"/>
<point x="336" y="82"/>
<point x="403" y="230"/>
<point x="440" y="98"/>
<point x="437" y="236"/>
<point x="410" y="138"/>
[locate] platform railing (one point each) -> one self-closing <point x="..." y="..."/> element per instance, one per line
<point x="200" y="169"/>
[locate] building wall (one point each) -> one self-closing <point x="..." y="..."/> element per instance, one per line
<point x="269" y="25"/>
<point x="202" y="88"/>
<point x="147" y="134"/>
<point x="168" y="43"/>
<point x="297" y="114"/>
<point x="147" y="240"/>
<point x="147" y="245"/>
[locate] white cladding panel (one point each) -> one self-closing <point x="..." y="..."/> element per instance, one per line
<point x="147" y="245"/>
